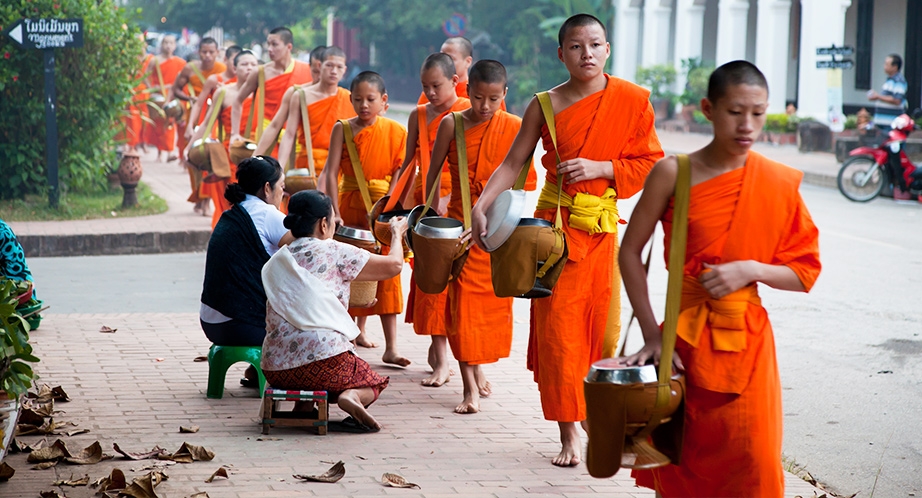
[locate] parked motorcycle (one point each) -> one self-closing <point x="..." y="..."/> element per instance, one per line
<point x="869" y="169"/>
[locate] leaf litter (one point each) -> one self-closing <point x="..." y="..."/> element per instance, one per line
<point x="334" y="474"/>
<point x="397" y="481"/>
<point x="221" y="472"/>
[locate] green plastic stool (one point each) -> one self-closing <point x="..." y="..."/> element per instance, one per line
<point x="220" y="358"/>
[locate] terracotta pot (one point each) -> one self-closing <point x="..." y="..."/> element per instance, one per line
<point x="129" y="174"/>
<point x="9" y="413"/>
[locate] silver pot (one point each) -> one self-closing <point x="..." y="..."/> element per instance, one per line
<point x="609" y="371"/>
<point x="439" y="228"/>
<point x="502" y="218"/>
<point x="357" y="234"/>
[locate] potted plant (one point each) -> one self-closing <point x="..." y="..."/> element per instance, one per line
<point x="658" y="79"/>
<point x="15" y="356"/>
<point x="697" y="75"/>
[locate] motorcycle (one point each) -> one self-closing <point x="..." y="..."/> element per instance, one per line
<point x="869" y="169"/>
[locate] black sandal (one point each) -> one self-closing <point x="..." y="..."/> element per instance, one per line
<point x="351" y="425"/>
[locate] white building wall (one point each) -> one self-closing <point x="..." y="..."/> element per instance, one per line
<point x="822" y="25"/>
<point x="889" y="36"/>
<point x="625" y="38"/>
<point x="771" y="50"/>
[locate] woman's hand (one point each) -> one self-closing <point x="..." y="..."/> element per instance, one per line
<point x="721" y="280"/>
<point x="399" y="225"/>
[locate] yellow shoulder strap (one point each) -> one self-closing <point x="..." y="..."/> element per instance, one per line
<point x="356" y="164"/>
<point x="544" y="100"/>
<point x="461" y="145"/>
<point x="306" y="126"/>
<point x="676" y="275"/>
<point x="261" y="96"/>
<point x="424" y="153"/>
<point x="163" y="88"/>
<point x="215" y="110"/>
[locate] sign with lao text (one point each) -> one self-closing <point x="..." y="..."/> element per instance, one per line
<point x="843" y="64"/>
<point x="834" y="50"/>
<point x="47" y="33"/>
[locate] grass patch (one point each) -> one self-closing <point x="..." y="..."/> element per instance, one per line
<point x="81" y="206"/>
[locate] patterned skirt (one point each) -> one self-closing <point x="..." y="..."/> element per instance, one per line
<point x="334" y="375"/>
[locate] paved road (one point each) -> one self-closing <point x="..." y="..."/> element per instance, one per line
<point x="850" y="352"/>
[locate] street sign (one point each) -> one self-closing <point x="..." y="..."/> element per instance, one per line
<point x="843" y="64"/>
<point x="456" y="25"/>
<point x="834" y="50"/>
<point x="47" y="33"/>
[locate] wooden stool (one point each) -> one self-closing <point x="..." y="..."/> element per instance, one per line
<point x="272" y="416"/>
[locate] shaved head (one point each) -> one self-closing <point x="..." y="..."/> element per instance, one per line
<point x="332" y="51"/>
<point x="487" y="71"/>
<point x="578" y="21"/>
<point x="463" y="45"/>
<point x="317" y="53"/>
<point x="284" y="34"/>
<point x="372" y="78"/>
<point x="732" y="74"/>
<point x="441" y="61"/>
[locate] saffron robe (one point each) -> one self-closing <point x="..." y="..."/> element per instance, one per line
<point x="381" y="148"/>
<point x="428" y="312"/>
<point x="163" y="132"/>
<point x="216" y="190"/>
<point x="733" y="418"/>
<point x="196" y="176"/>
<point x="322" y="115"/>
<point x="479" y="323"/>
<point x="135" y="121"/>
<point x="568" y="328"/>
<point x="297" y="73"/>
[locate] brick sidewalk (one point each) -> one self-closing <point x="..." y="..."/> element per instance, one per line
<point x="137" y="386"/>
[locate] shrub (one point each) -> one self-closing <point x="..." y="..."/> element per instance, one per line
<point x="776" y="123"/>
<point x="851" y="122"/>
<point x="93" y="84"/>
<point x="697" y="75"/>
<point x="658" y="79"/>
<point x="699" y="117"/>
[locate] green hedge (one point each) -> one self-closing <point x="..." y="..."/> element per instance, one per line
<point x="93" y="84"/>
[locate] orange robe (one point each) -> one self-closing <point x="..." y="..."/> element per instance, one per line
<point x="381" y="147"/>
<point x="568" y="328"/>
<point x="298" y="73"/>
<point x="196" y="176"/>
<point x="216" y="190"/>
<point x="460" y="91"/>
<point x="479" y="323"/>
<point x="323" y="114"/>
<point x="733" y="418"/>
<point x="137" y="111"/>
<point x="428" y="312"/>
<point x="164" y="132"/>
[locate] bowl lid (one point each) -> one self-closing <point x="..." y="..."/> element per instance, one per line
<point x="297" y="172"/>
<point x="502" y="218"/>
<point x="355" y="233"/>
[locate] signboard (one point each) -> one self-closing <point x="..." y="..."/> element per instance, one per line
<point x="834" y="50"/>
<point x="47" y="33"/>
<point x="843" y="64"/>
<point x="456" y="25"/>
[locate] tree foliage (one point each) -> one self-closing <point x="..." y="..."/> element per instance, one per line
<point x="93" y="83"/>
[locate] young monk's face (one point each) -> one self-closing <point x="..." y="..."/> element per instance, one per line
<point x="368" y="101"/>
<point x="278" y="49"/>
<point x="168" y="45"/>
<point x="584" y="51"/>
<point x="462" y="62"/>
<point x="208" y="54"/>
<point x="486" y="98"/>
<point x="738" y="116"/>
<point x="315" y="69"/>
<point x="333" y="70"/>
<point x="245" y="66"/>
<point x="438" y="87"/>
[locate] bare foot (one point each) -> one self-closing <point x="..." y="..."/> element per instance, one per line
<point x="471" y="404"/>
<point x="440" y="376"/>
<point x="170" y="159"/>
<point x="392" y="358"/>
<point x="483" y="385"/>
<point x="351" y="403"/>
<point x="363" y="341"/>
<point x="569" y="455"/>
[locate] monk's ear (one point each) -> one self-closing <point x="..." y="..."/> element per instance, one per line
<point x="560" y="53"/>
<point x="455" y="79"/>
<point x="707" y="108"/>
<point x="384" y="98"/>
<point x="505" y="91"/>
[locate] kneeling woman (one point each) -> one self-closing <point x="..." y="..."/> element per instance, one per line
<point x="308" y="328"/>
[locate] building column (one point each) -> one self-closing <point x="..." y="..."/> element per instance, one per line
<point x="689" y="33"/>
<point x="772" y="45"/>
<point x="822" y="25"/>
<point x="656" y="17"/>
<point x="625" y="39"/>
<point x="732" y="27"/>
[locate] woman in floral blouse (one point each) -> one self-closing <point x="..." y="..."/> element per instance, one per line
<point x="306" y="358"/>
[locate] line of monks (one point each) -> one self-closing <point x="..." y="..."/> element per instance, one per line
<point x="602" y="148"/>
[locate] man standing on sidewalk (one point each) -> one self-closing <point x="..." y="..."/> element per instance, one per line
<point x="891" y="101"/>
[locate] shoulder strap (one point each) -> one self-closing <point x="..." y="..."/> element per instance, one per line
<point x="215" y="110"/>
<point x="356" y="164"/>
<point x="424" y="153"/>
<point x="306" y="126"/>
<point x="163" y="88"/>
<point x="544" y="100"/>
<point x="677" y="248"/>
<point x="461" y="145"/>
<point x="249" y="127"/>
<point x="261" y="108"/>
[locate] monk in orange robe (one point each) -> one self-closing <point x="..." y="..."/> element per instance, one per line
<point x="605" y="146"/>
<point x="166" y="66"/>
<point x="725" y="343"/>
<point x="244" y="64"/>
<point x="212" y="83"/>
<point x="380" y="144"/>
<point x="281" y="74"/>
<point x="479" y="323"/>
<point x="427" y="312"/>
<point x="461" y="52"/>
<point x="137" y="112"/>
<point x="193" y="76"/>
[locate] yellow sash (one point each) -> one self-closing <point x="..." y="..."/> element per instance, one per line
<point x="588" y="212"/>
<point x="376" y="188"/>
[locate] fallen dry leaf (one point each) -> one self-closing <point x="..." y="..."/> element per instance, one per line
<point x="397" y="481"/>
<point x="142" y="487"/>
<point x="114" y="481"/>
<point x="58" y="394"/>
<point x="159" y="466"/>
<point x="266" y="438"/>
<point x="45" y="465"/>
<point x="144" y="455"/>
<point x="6" y="472"/>
<point x="88" y="456"/>
<point x="199" y="359"/>
<point x="188" y="453"/>
<point x="336" y="472"/>
<point x="50" y="494"/>
<point x="83" y="481"/>
<point x="221" y="472"/>
<point x="78" y="431"/>
<point x="28" y="416"/>
<point x="107" y="330"/>
<point x="56" y="451"/>
<point x="158" y="360"/>
<point x="188" y="430"/>
<point x="360" y="457"/>
<point x="199" y="495"/>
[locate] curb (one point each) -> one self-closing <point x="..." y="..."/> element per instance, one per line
<point x="108" y="244"/>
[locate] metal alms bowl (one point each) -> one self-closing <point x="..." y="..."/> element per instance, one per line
<point x="502" y="218"/>
<point x="609" y="371"/>
<point x="439" y="228"/>
<point x="353" y="233"/>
